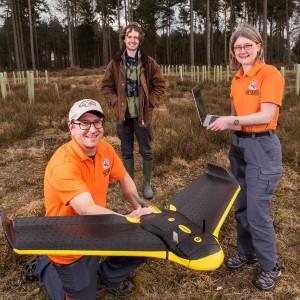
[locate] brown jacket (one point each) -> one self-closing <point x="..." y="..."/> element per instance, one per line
<point x="152" y="87"/>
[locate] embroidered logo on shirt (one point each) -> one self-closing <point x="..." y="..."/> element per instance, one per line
<point x="252" y="86"/>
<point x="105" y="163"/>
<point x="106" y="167"/>
<point x="252" y="91"/>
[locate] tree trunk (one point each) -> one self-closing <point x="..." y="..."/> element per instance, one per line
<point x="192" y="53"/>
<point x="168" y="30"/>
<point x="271" y="41"/>
<point x="130" y="11"/>
<point x="125" y="11"/>
<point x="71" y="55"/>
<point x="21" y="45"/>
<point x="10" y="66"/>
<point x="255" y="13"/>
<point x="265" y="31"/>
<point x="225" y="34"/>
<point x="208" y="33"/>
<point x="212" y="42"/>
<point x="75" y="35"/>
<point x="105" y="39"/>
<point x="15" y="32"/>
<point x="31" y="36"/>
<point x="288" y="33"/>
<point x="36" y="45"/>
<point x="232" y="16"/>
<point x="119" y="24"/>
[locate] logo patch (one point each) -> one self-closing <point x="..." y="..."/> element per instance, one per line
<point x="87" y="103"/>
<point x="106" y="167"/>
<point x="252" y="91"/>
<point x="105" y="163"/>
<point x="252" y="86"/>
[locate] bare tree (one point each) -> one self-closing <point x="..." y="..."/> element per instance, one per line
<point x="265" y="31"/>
<point x="18" y="35"/>
<point x="130" y="11"/>
<point x="125" y="10"/>
<point x="8" y="42"/>
<point x="208" y="33"/>
<point x="225" y="33"/>
<point x="105" y="37"/>
<point x="232" y="16"/>
<point x="70" y="35"/>
<point x="31" y="36"/>
<point x="288" y="39"/>
<point x="15" y="33"/>
<point x="36" y="42"/>
<point x="119" y="23"/>
<point x="192" y="52"/>
<point x="20" y="30"/>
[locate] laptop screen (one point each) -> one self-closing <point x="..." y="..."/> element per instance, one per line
<point x="199" y="103"/>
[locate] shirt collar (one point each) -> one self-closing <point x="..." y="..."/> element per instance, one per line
<point x="255" y="68"/>
<point x="78" y="150"/>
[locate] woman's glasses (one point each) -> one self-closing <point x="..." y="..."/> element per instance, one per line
<point x="246" y="47"/>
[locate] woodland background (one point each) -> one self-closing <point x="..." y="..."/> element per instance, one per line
<point x="39" y="34"/>
<point x="74" y="40"/>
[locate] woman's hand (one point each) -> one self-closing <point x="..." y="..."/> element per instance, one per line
<point x="221" y="123"/>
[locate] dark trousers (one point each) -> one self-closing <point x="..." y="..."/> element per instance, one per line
<point x="126" y="134"/>
<point x="79" y="279"/>
<point x="256" y="164"/>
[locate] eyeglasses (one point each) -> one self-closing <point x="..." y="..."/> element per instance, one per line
<point x="85" y="125"/>
<point x="246" y="47"/>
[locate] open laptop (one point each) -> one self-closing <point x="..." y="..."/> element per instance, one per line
<point x="205" y="119"/>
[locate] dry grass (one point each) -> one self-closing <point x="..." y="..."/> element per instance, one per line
<point x="29" y="134"/>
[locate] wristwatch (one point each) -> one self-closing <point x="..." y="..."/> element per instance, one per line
<point x="236" y="121"/>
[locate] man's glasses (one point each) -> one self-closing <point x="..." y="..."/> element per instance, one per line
<point x="85" y="125"/>
<point x="245" y="47"/>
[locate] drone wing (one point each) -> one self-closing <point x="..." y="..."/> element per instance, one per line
<point x="168" y="234"/>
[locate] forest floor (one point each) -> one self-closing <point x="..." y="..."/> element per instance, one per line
<point x="22" y="166"/>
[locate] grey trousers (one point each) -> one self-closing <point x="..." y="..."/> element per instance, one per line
<point x="256" y="164"/>
<point x="79" y="279"/>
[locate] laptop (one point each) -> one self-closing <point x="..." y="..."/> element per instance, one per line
<point x="205" y="118"/>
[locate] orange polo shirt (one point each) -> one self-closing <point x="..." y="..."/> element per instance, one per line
<point x="262" y="84"/>
<point x="71" y="172"/>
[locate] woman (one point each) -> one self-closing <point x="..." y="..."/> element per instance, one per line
<point x="255" y="152"/>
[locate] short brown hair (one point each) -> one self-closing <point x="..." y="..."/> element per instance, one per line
<point x="133" y="26"/>
<point x="249" y="32"/>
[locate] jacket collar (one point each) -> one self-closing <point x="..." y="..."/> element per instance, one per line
<point x="118" y="56"/>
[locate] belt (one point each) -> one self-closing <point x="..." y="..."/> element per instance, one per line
<point x="253" y="134"/>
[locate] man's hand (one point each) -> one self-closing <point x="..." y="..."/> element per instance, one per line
<point x="141" y="211"/>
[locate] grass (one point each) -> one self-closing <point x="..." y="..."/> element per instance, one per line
<point x="29" y="135"/>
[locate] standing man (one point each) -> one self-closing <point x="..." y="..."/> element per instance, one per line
<point x="133" y="85"/>
<point x="76" y="183"/>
